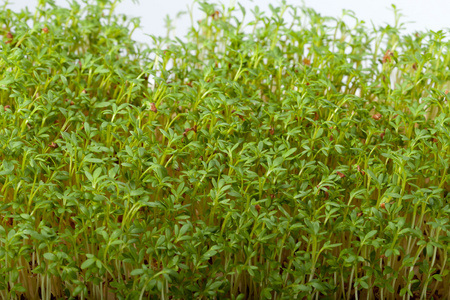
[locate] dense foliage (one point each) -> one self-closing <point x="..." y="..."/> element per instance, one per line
<point x="268" y="159"/>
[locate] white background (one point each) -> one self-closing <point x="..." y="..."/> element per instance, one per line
<point x="419" y="15"/>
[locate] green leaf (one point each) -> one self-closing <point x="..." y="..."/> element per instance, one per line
<point x="87" y="263"/>
<point x="137" y="272"/>
<point x="97" y="172"/>
<point x="89" y="176"/>
<point x="374" y="178"/>
<point x="289" y="153"/>
<point x="266" y="293"/>
<point x="278" y="161"/>
<point x="137" y="192"/>
<point x="370" y="234"/>
<point x="50" y="256"/>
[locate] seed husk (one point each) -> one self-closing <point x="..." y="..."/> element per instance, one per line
<point x="377" y="116"/>
<point x="153" y="107"/>
<point x="53" y="145"/>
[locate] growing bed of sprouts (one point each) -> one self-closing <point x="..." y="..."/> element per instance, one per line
<point x="259" y="159"/>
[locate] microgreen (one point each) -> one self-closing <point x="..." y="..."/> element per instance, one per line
<point x="261" y="159"/>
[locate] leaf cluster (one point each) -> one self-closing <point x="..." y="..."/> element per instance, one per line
<point x="267" y="159"/>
